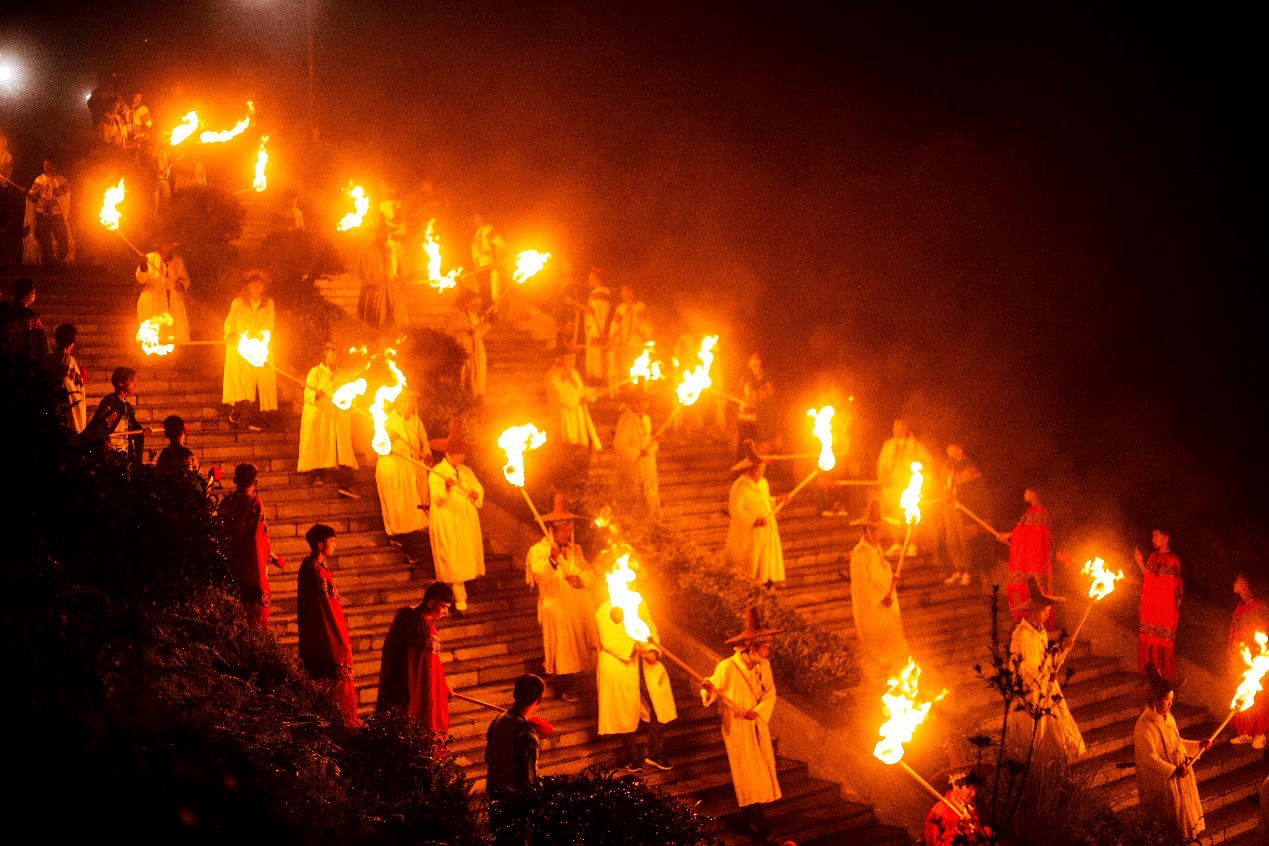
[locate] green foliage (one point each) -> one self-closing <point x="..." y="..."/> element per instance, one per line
<point x="433" y="362"/>
<point x="205" y="221"/>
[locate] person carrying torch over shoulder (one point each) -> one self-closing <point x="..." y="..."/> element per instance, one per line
<point x="251" y="314"/>
<point x="568" y="401"/>
<point x="403" y="495"/>
<point x="745" y="678"/>
<point x="456" y="495"/>
<point x="753" y="537"/>
<point x="1251" y="616"/>
<point x="566" y="609"/>
<point x="1166" y="788"/>
<point x="874" y="601"/>
<point x="943" y="825"/>
<point x="325" y="429"/>
<point x="1058" y="737"/>
<point x="164" y="281"/>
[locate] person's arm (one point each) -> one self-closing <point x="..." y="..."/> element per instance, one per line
<point x="712" y="685"/>
<point x="1141" y="561"/>
<point x="438" y="486"/>
<point x="527" y="757"/>
<point x="475" y="488"/>
<point x="312" y="386"/>
<point x="766" y="704"/>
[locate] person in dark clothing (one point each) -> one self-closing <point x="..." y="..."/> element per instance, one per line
<point x="114" y="423"/>
<point x="24" y="334"/>
<point x="411" y="678"/>
<point x="176" y="459"/>
<point x="511" y="755"/>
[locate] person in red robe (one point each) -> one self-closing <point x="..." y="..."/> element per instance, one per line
<point x="411" y="678"/>
<point x="943" y="825"/>
<point x="1030" y="545"/>
<point x="1251" y="616"/>
<point x="325" y="647"/>
<point x="1160" y="606"/>
<point x="247" y="536"/>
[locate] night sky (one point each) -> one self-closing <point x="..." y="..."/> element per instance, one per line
<point x="1036" y="231"/>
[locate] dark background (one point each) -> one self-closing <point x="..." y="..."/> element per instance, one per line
<point x="1036" y="231"/>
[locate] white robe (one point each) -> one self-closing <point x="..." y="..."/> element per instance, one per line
<point x="397" y="478"/>
<point x="569" y="413"/>
<point x="636" y="475"/>
<point x="567" y="614"/>
<point x="325" y="431"/>
<point x="754" y="550"/>
<point x="164" y="286"/>
<point x="878" y="627"/>
<point x="595" y="327"/>
<point x="241" y="379"/>
<point x="1058" y="735"/>
<point x="749" y="753"/>
<point x="469" y="330"/>
<point x="457" y="544"/>
<point x="629" y="330"/>
<point x="617" y="675"/>
<point x="1159" y="750"/>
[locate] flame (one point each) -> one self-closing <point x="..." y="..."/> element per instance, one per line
<point x="1103" y="579"/>
<point x="910" y="499"/>
<point x="148" y="335"/>
<point x="644" y="367"/>
<point x="823" y="430"/>
<point x="1257" y="666"/>
<point x="697" y="379"/>
<point x="528" y="264"/>
<point x="434" y="277"/>
<point x="240" y="127"/>
<point x="621" y="596"/>
<point x="262" y="159"/>
<point x="109" y="208"/>
<point x="604" y="518"/>
<point x="187" y="127"/>
<point x="904" y="713"/>
<point x="381" y="443"/>
<point x="514" y="442"/>
<point x="254" y="350"/>
<point x="361" y="205"/>
<point x="346" y="393"/>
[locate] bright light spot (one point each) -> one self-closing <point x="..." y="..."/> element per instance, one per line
<point x="6" y="73"/>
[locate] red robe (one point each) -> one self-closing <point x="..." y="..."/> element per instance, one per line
<point x="325" y="647"/>
<point x="1029" y="555"/>
<point x="429" y="695"/>
<point x="248" y="538"/>
<point x="1160" y="610"/>
<point x="942" y="825"/>
<point x="394" y="681"/>
<point x="1249" y="617"/>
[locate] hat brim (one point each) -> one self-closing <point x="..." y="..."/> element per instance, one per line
<point x="747" y="636"/>
<point x="560" y="516"/>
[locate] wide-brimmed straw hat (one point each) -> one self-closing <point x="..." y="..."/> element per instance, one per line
<point x="560" y="511"/>
<point x="961" y="770"/>
<point x="754" y="629"/>
<point x="1037" y="598"/>
<point x="1159" y="686"/>
<point x="455" y="443"/>
<point x="751" y="459"/>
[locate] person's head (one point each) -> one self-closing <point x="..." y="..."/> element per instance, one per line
<point x="124" y="380"/>
<point x="639" y="402"/>
<point x="478" y="219"/>
<point x="1037" y="616"/>
<point x="24" y="291"/>
<point x="756" y="471"/>
<point x="955" y="452"/>
<point x="594" y="279"/>
<point x="562" y="531"/>
<point x="563" y="357"/>
<point x="1163" y="704"/>
<point x="468" y="300"/>
<point x="901" y="430"/>
<point x="330" y="355"/>
<point x="756" y="649"/>
<point x="245" y="476"/>
<point x="136" y="99"/>
<point x="65" y="336"/>
<point x="321" y="540"/>
<point x="1242" y="587"/>
<point x="50" y="169"/>
<point x="755" y="364"/>
<point x="527" y="692"/>
<point x="965" y="788"/>
<point x="1160" y="539"/>
<point x="255" y="285"/>
<point x="174" y="428"/>
<point x="628" y="295"/>
<point x="1031" y="496"/>
<point x="437" y="599"/>
<point x="456" y="459"/>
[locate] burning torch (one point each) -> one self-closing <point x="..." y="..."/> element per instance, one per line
<point x="825" y="461"/>
<point x="905" y="713"/>
<point x="910" y="501"/>
<point x="694" y="381"/>
<point x="515" y="442"/>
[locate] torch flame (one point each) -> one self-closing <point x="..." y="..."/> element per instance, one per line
<point x="262" y="159"/>
<point x="381" y="443"/>
<point x="823" y="430"/>
<point x="621" y="596"/>
<point x="910" y="499"/>
<point x="644" y="367"/>
<point x="1103" y="579"/>
<point x="439" y="281"/>
<point x="528" y="264"/>
<point x="514" y="442"/>
<point x="1257" y="666"/>
<point x="109" y="208"/>
<point x="187" y="127"/>
<point x="361" y="205"/>
<point x="904" y="713"/>
<point x="148" y="335"/>
<point x="254" y="350"/>
<point x="697" y="379"/>
<point x="240" y="127"/>
<point x="346" y="393"/>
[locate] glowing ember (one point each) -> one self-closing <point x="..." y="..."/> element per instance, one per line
<point x="697" y="379"/>
<point x="910" y="499"/>
<point x="240" y="127"/>
<point x="1103" y="579"/>
<point x="361" y="205"/>
<point x="148" y="335"/>
<point x="1257" y="666"/>
<point x="255" y="350"/>
<point x="528" y="264"/>
<point x="644" y="367"/>
<point x="621" y="596"/>
<point x="823" y="430"/>
<point x="188" y="126"/>
<point x="434" y="277"/>
<point x="515" y="441"/>
<point x="904" y="713"/>
<point x="262" y="159"/>
<point x="345" y="394"/>
<point x="381" y="443"/>
<point x="109" y="208"/>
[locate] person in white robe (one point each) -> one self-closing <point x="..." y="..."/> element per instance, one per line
<point x="628" y="332"/>
<point x="635" y="457"/>
<point x="487" y="248"/>
<point x="874" y="602"/>
<point x="397" y="475"/>
<point x="164" y="282"/>
<point x="381" y="302"/>
<point x="745" y="680"/>
<point x="325" y="430"/>
<point x="1166" y="786"/>
<point x="595" y="327"/>
<point x="566" y="607"/>
<point x="894" y="470"/>
<point x="1058" y="738"/>
<point x="251" y="314"/>
<point x="753" y="537"/>
<point x="633" y="686"/>
<point x="568" y="401"/>
<point x="469" y="328"/>
<point x="457" y="542"/>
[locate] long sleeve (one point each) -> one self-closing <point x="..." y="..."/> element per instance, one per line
<point x="527" y="757"/>
<point x="1151" y="757"/>
<point x="313" y="383"/>
<point x="234" y="320"/>
<point x="718" y="680"/>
